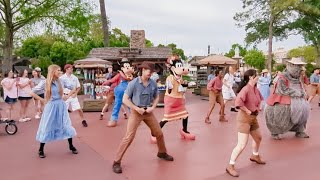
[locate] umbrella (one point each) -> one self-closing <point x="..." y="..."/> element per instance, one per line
<point x="217" y="60"/>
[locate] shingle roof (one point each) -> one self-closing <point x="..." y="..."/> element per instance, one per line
<point x="116" y="53"/>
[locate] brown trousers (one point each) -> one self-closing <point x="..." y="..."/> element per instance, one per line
<point x="133" y="124"/>
<point x="213" y="99"/>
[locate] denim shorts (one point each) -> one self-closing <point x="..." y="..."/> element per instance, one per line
<point x="9" y="100"/>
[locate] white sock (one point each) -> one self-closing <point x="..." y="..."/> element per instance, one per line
<point x="232" y="162"/>
<point x="255" y="153"/>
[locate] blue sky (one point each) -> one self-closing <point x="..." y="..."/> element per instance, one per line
<point x="192" y="25"/>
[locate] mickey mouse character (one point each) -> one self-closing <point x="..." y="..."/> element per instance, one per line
<point x="122" y="79"/>
<point x="174" y="100"/>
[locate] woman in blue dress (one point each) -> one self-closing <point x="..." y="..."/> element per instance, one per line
<point x="264" y="86"/>
<point x="55" y="122"/>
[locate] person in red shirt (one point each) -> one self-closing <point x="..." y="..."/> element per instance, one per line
<point x="248" y="101"/>
<point x="214" y="87"/>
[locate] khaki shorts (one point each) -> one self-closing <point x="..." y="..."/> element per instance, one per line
<point x="313" y="90"/>
<point x="110" y="97"/>
<point x="215" y="98"/>
<point x="246" y="123"/>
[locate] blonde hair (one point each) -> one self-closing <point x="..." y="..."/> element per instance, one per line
<point x="50" y="79"/>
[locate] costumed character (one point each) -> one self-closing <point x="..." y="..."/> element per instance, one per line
<point x="123" y="77"/>
<point x="174" y="99"/>
<point x="287" y="108"/>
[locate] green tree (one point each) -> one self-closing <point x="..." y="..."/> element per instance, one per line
<point x="280" y="67"/>
<point x="119" y="39"/>
<point x="308" y="24"/>
<point x="37" y="46"/>
<point x="242" y="51"/>
<point x="176" y="51"/>
<point x="266" y="19"/>
<point x="43" y="62"/>
<point x="256" y="59"/>
<point x="308" y="52"/>
<point x="63" y="52"/>
<point x="72" y="15"/>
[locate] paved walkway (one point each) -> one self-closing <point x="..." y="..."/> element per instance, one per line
<point x="205" y="158"/>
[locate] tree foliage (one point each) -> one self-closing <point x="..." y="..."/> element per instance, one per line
<point x="72" y="16"/>
<point x="175" y="51"/>
<point x="231" y="53"/>
<point x="268" y="19"/>
<point x="255" y="58"/>
<point x="308" y="25"/>
<point x="309" y="53"/>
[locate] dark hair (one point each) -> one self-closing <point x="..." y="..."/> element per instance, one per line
<point x="244" y="82"/>
<point x="22" y="72"/>
<point x="6" y="73"/>
<point x="217" y="72"/>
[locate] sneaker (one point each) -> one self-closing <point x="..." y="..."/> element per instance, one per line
<point x="27" y="119"/>
<point x="37" y="116"/>
<point x="23" y="120"/>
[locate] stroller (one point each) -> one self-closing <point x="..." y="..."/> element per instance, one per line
<point x="10" y="125"/>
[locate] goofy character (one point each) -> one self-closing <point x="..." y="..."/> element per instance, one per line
<point x="174" y="100"/>
<point x="123" y="77"/>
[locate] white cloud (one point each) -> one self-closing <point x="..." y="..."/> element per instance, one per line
<point x="192" y="25"/>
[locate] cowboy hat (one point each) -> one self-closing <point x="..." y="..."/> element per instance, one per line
<point x="296" y="61"/>
<point x="147" y="65"/>
<point x="265" y="71"/>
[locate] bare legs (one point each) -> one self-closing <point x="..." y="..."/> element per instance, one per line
<point x="23" y="108"/>
<point x="242" y="143"/>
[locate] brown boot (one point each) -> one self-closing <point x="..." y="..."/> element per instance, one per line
<point x="223" y="119"/>
<point x="230" y="170"/>
<point x="112" y="123"/>
<point x="257" y="159"/>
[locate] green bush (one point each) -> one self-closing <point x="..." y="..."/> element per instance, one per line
<point x="280" y="67"/>
<point x="309" y="69"/>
